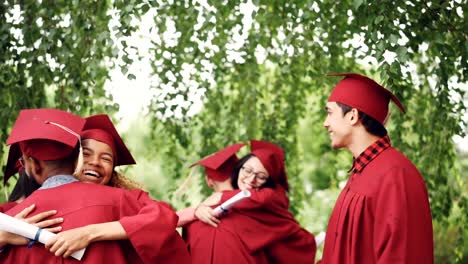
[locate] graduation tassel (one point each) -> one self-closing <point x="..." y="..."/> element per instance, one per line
<point x="184" y="185"/>
<point x="79" y="163"/>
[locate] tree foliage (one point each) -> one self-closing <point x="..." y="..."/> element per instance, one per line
<point x="260" y="74"/>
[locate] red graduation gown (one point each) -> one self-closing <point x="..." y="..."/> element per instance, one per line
<point x="381" y="216"/>
<point x="265" y="228"/>
<point x="150" y="225"/>
<point x="7" y="206"/>
<point x="220" y="245"/>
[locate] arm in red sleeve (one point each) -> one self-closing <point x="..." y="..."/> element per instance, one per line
<point x="266" y="198"/>
<point x="402" y="228"/>
<point x="150" y="226"/>
<point x="7" y="206"/>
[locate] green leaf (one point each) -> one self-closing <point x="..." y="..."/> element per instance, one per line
<point x="357" y="3"/>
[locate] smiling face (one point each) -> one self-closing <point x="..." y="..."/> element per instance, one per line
<point x="338" y="126"/>
<point x="252" y="175"/>
<point x="98" y="162"/>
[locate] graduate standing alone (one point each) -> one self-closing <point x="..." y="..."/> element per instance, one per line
<point x="382" y="215"/>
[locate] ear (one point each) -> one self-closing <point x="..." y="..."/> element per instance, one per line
<point x="37" y="168"/>
<point x="209" y="182"/>
<point x="353" y="116"/>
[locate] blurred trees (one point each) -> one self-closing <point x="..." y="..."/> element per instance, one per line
<point x="259" y="67"/>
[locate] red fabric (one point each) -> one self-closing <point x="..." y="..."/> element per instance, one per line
<point x="101" y="136"/>
<point x="46" y="134"/>
<point x="100" y="128"/>
<point x="364" y="94"/>
<point x="220" y="245"/>
<point x="149" y="224"/>
<point x="272" y="158"/>
<point x="43" y="149"/>
<point x="7" y="206"/>
<point x="265" y="227"/>
<point x="381" y="216"/>
<point x="370" y="153"/>
<point x="219" y="165"/>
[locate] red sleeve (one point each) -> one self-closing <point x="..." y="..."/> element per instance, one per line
<point x="150" y="226"/>
<point x="402" y="227"/>
<point x="7" y="206"/>
<point x="298" y="248"/>
<point x="265" y="221"/>
<point x="266" y="198"/>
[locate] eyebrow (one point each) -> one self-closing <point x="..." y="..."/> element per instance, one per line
<point x="250" y="167"/>
<point x="104" y="153"/>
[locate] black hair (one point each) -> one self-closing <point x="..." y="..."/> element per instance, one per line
<point x="270" y="183"/>
<point x="371" y="125"/>
<point x="24" y="187"/>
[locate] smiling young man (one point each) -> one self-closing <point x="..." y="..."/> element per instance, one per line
<point x="382" y="215"/>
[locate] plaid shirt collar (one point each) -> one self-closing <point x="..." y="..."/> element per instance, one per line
<point x="370" y="153"/>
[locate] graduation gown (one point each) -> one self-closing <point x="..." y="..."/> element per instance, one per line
<point x="7" y="206"/>
<point x="381" y="216"/>
<point x="259" y="230"/>
<point x="150" y="225"/>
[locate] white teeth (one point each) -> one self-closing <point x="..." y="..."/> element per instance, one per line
<point x="91" y="173"/>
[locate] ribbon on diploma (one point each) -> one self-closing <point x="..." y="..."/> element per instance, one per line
<point x="34" y="233"/>
<point x="224" y="207"/>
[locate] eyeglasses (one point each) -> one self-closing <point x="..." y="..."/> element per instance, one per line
<point x="260" y="176"/>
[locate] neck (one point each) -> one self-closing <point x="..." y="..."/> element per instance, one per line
<point x="361" y="141"/>
<point x="51" y="171"/>
<point x="223" y="186"/>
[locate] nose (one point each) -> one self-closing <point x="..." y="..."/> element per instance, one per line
<point x="325" y="123"/>
<point x="251" y="178"/>
<point x="92" y="160"/>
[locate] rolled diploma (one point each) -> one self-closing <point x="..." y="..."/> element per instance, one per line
<point x="233" y="200"/>
<point x="16" y="226"/>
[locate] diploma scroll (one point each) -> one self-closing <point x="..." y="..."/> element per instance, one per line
<point x="233" y="200"/>
<point x="16" y="226"/>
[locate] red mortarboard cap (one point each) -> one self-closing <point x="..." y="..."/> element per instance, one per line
<point x="219" y="165"/>
<point x="272" y="158"/>
<point x="101" y="128"/>
<point x="364" y="94"/>
<point x="12" y="166"/>
<point x="46" y="134"/>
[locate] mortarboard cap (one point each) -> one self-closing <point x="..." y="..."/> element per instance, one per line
<point x="46" y="134"/>
<point x="364" y="94"/>
<point x="272" y="158"/>
<point x="219" y="165"/>
<point x="101" y="128"/>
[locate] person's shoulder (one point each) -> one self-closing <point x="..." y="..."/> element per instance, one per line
<point x="392" y="157"/>
<point x="92" y="188"/>
<point x="392" y="161"/>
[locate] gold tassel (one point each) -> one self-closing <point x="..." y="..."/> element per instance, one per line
<point x="184" y="185"/>
<point x="79" y="162"/>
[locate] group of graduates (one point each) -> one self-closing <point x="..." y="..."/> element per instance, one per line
<point x="68" y="185"/>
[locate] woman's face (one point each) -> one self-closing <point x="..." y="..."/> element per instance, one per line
<point x="98" y="162"/>
<point x="252" y="175"/>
